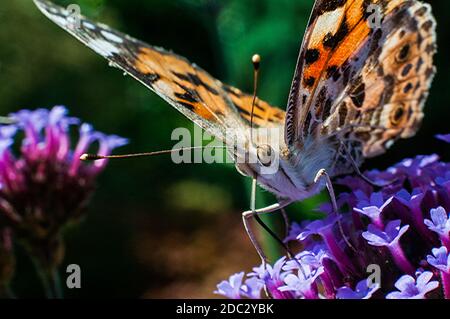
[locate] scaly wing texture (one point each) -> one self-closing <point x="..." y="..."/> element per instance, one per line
<point x="205" y="100"/>
<point x="364" y="84"/>
<point x="264" y="115"/>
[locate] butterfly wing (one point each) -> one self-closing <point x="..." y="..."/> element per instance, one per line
<point x="205" y="100"/>
<point x="362" y="82"/>
<point x="264" y="115"/>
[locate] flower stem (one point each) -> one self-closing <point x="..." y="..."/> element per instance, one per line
<point x="400" y="259"/>
<point x="327" y="285"/>
<point x="341" y="259"/>
<point x="44" y="280"/>
<point x="446" y="284"/>
<point x="310" y="295"/>
<point x="56" y="280"/>
<point x="51" y="281"/>
<point x="445" y="239"/>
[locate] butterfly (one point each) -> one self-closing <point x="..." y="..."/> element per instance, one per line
<point x="361" y="81"/>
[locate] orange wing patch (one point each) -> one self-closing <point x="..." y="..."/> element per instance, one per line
<point x="264" y="115"/>
<point x="199" y="92"/>
<point x="185" y="84"/>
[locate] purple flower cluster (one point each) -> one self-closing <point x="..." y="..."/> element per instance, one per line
<point x="43" y="184"/>
<point x="391" y="243"/>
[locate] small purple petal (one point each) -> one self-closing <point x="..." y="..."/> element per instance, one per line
<point x="301" y="284"/>
<point x="317" y="227"/>
<point x="390" y="236"/>
<point x="294" y="231"/>
<point x="440" y="259"/>
<point x="440" y="222"/>
<point x="362" y="291"/>
<point x="231" y="288"/>
<point x="444" y="137"/>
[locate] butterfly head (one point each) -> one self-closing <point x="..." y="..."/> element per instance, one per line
<point x="265" y="155"/>
<point x="289" y="173"/>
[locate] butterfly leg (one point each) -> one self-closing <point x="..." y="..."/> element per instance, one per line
<point x="246" y="216"/>
<point x="254" y="213"/>
<point x="286" y="221"/>
<point x="322" y="174"/>
<point x="360" y="174"/>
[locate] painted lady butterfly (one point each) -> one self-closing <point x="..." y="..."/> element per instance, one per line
<point x="357" y="88"/>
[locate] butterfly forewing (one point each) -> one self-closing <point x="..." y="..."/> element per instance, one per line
<point x="205" y="100"/>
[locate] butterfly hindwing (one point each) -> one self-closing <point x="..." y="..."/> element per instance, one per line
<point x="400" y="74"/>
<point x="350" y="78"/>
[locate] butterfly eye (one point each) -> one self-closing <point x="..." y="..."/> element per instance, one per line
<point x="265" y="154"/>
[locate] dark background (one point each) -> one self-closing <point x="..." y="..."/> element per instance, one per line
<point x="156" y="229"/>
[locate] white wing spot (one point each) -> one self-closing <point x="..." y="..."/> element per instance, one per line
<point x="112" y="37"/>
<point x="89" y="25"/>
<point x="103" y="47"/>
<point x="60" y="20"/>
<point x="53" y="10"/>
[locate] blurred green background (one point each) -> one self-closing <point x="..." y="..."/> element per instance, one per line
<point x="156" y="229"/>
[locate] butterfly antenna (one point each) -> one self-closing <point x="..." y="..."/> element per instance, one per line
<point x="256" y="60"/>
<point x="96" y="157"/>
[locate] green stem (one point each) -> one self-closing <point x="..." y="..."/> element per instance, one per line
<point x="43" y="276"/>
<point x="51" y="281"/>
<point x="56" y="279"/>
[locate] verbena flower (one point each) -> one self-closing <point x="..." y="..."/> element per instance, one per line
<point x="272" y="278"/>
<point x="236" y="288"/>
<point x="402" y="229"/>
<point x="232" y="288"/>
<point x="441" y="261"/>
<point x="440" y="224"/>
<point x="389" y="237"/>
<point x="372" y="207"/>
<point x="410" y="288"/>
<point x="302" y="283"/>
<point x="43" y="184"/>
